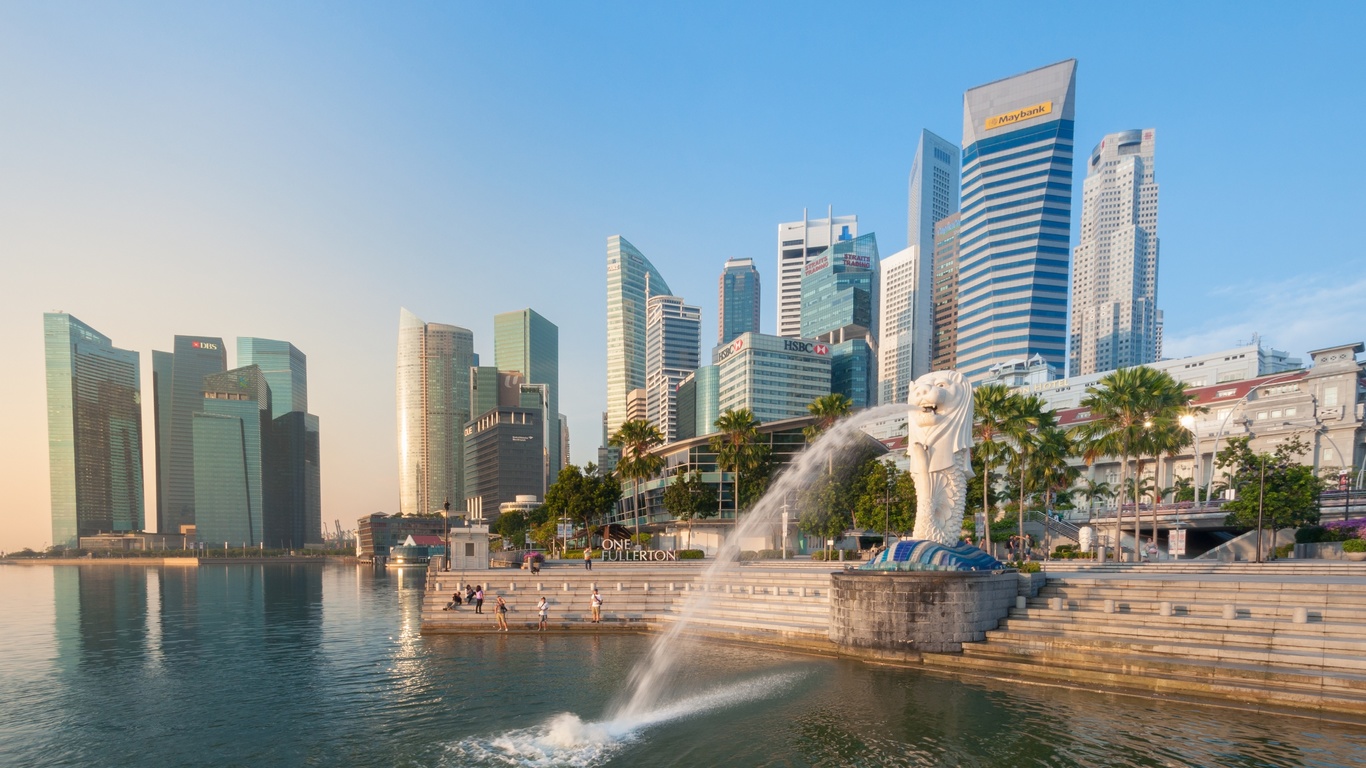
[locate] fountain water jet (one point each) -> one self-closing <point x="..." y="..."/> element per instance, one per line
<point x="649" y="681"/>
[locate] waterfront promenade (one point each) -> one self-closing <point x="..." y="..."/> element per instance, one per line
<point x="1283" y="636"/>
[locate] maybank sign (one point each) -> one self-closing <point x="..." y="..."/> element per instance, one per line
<point x="1019" y="115"/>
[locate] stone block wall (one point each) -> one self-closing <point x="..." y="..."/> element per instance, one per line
<point x="909" y="612"/>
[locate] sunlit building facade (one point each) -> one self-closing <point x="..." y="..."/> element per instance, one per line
<point x="933" y="196"/>
<point x="738" y="304"/>
<point x="840" y="303"/>
<point x="631" y="281"/>
<point x="525" y="342"/>
<point x="673" y="349"/>
<point x="433" y="386"/>
<point x="798" y="243"/>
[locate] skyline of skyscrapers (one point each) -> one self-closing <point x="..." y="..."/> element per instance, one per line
<point x="433" y="391"/>
<point x="1016" y="219"/>
<point x="1114" y="321"/>
<point x="933" y="196"/>
<point x="799" y="241"/>
<point x="94" y="411"/>
<point x="738" y="299"/>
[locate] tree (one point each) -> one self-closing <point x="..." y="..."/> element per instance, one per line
<point x="1024" y="423"/>
<point x="737" y="434"/>
<point x="884" y="498"/>
<point x="822" y="511"/>
<point x="1167" y="437"/>
<point x="687" y="498"/>
<point x="636" y="439"/>
<point x="827" y="409"/>
<point x="580" y="496"/>
<point x="1123" y="406"/>
<point x="1092" y="490"/>
<point x="1286" y="491"/>
<point x="992" y="410"/>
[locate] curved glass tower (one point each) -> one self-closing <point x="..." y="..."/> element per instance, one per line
<point x="433" y="389"/>
<point x="631" y="281"/>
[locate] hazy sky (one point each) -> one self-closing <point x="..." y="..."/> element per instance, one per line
<point x="300" y="171"/>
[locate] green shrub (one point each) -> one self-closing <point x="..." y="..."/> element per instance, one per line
<point x="748" y="554"/>
<point x="1284" y="550"/>
<point x="773" y="554"/>
<point x="1354" y="545"/>
<point x="691" y="554"/>
<point x="1030" y="567"/>
<point x="1311" y="534"/>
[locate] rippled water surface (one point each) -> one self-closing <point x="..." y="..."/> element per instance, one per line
<point x="323" y="665"/>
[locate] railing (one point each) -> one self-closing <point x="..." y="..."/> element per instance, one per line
<point x="1054" y="525"/>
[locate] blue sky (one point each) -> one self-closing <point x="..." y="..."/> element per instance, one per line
<point x="302" y="170"/>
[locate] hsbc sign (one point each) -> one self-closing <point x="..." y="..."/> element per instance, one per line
<point x="730" y="349"/>
<point x="790" y="345"/>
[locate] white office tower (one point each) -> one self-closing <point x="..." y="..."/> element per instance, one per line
<point x="673" y="349"/>
<point x="1016" y="220"/>
<point x="933" y="197"/>
<point x="798" y="241"/>
<point x="1115" y="322"/>
<point x="898" y="335"/>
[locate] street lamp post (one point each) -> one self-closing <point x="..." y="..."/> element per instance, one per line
<point x="1261" y="495"/>
<point x="446" y="515"/>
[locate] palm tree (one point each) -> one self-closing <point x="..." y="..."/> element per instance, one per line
<point x="1093" y="490"/>
<point x="734" y="441"/>
<point x="637" y="439"/>
<point x="1052" y="472"/>
<point x="1121" y="404"/>
<point x="1027" y="419"/>
<point x="1167" y="438"/>
<point x="993" y="411"/>
<point x="827" y="409"/>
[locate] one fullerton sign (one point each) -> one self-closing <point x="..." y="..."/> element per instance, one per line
<point x="1019" y="115"/>
<point x="619" y="551"/>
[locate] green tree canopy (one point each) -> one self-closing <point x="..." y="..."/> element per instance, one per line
<point x="1287" y="490"/>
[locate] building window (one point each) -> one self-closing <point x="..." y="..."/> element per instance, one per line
<point x="469" y="549"/>
<point x="1330" y="396"/>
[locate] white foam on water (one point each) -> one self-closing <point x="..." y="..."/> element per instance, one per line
<point x="567" y="740"/>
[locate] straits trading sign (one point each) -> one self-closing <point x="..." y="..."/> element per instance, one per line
<point x="857" y="260"/>
<point x="619" y="551"/>
<point x="1019" y="115"/>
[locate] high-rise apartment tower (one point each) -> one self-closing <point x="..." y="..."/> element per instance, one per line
<point x="673" y="349"/>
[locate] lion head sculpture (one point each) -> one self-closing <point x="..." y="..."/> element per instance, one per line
<point x="940" y="416"/>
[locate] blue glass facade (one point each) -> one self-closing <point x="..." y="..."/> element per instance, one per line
<point x="94" y="431"/>
<point x="738" y="307"/>
<point x="1014" y="231"/>
<point x="229" y="432"/>
<point x="178" y="389"/>
<point x="525" y="342"/>
<point x="285" y="369"/>
<point x="840" y="307"/>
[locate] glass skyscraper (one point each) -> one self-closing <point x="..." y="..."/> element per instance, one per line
<point x="525" y="342"/>
<point x="738" y="300"/>
<point x="631" y="280"/>
<point x="178" y="391"/>
<point x="798" y="243"/>
<point x="673" y="349"/>
<point x="433" y="387"/>
<point x="699" y="401"/>
<point x="774" y="377"/>
<point x="94" y="422"/>
<point x="229" y="433"/>
<point x="840" y="307"/>
<point x="933" y="197"/>
<point x="285" y="369"/>
<point x="946" y="294"/>
<point x="1016" y="218"/>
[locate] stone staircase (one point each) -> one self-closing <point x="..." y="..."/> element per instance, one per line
<point x="1271" y="636"/>
<point x="774" y="604"/>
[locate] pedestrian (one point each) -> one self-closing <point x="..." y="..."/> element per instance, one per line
<point x="588" y="557"/>
<point x="536" y="563"/>
<point x="469" y="594"/>
<point x="479" y="599"/>
<point x="596" y="602"/>
<point x="501" y="613"/>
<point x="542" y="608"/>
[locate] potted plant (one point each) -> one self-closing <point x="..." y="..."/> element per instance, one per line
<point x="1354" y="549"/>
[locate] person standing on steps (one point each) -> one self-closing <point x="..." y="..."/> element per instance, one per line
<point x="479" y="599"/>
<point x="596" y="602"/>
<point x="542" y="608"/>
<point x="501" y="611"/>
<point x="588" y="558"/>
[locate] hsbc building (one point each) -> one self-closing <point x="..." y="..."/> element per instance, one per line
<point x="774" y="376"/>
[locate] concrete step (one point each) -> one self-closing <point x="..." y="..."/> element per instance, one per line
<point x="1218" y="629"/>
<point x="1246" y="611"/>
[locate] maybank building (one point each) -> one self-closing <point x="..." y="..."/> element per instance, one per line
<point x="1016" y="216"/>
<point x="773" y="376"/>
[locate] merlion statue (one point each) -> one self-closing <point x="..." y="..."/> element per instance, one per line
<point x="939" y="429"/>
